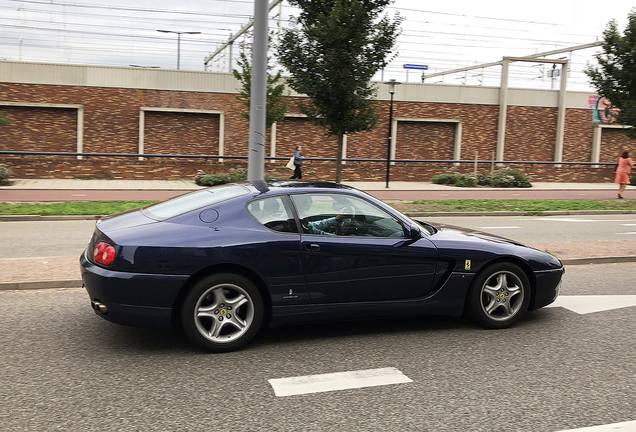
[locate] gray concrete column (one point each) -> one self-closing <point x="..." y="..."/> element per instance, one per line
<point x="503" y="110"/>
<point x="560" y="130"/>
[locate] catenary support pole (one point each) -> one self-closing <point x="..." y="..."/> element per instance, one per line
<point x="503" y="110"/>
<point x="258" y="95"/>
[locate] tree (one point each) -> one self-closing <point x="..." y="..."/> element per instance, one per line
<point x="4" y="120"/>
<point x="276" y="105"/>
<point x="615" y="79"/>
<point x="332" y="50"/>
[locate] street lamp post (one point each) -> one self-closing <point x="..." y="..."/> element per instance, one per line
<point x="178" y="33"/>
<point x="391" y="83"/>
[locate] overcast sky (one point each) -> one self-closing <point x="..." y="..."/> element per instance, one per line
<point x="443" y="35"/>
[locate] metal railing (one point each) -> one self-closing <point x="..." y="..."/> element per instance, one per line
<point x="321" y="159"/>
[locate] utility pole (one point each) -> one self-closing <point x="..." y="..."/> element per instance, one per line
<point x="258" y="95"/>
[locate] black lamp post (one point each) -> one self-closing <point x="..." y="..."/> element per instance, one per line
<point x="178" y="42"/>
<point x="391" y="83"/>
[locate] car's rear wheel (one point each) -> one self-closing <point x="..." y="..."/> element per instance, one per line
<point x="499" y="296"/>
<point x="222" y="312"/>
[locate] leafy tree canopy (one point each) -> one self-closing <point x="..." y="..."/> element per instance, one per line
<point x="276" y="105"/>
<point x="332" y="50"/>
<point x="615" y="78"/>
<point x="4" y="120"/>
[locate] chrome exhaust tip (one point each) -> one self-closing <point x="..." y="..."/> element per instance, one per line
<point x="99" y="307"/>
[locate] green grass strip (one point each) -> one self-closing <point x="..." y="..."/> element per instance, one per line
<point x="449" y="205"/>
<point x="71" y="207"/>
<point x="523" y="205"/>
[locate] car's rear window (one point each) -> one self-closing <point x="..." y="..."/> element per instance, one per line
<point x="192" y="201"/>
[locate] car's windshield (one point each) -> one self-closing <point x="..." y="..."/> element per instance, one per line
<point x="192" y="201"/>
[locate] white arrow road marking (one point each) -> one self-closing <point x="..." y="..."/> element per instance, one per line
<point x="337" y="381"/>
<point x="594" y="303"/>
<point x="628" y="426"/>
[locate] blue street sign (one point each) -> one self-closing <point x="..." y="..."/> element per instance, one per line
<point x="415" y="66"/>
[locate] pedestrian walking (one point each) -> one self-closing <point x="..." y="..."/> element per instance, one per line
<point x="298" y="162"/>
<point x="623" y="168"/>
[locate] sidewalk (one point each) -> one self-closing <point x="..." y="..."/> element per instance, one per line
<point x="63" y="272"/>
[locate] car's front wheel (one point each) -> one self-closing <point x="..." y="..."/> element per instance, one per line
<point x="222" y="312"/>
<point x="499" y="296"/>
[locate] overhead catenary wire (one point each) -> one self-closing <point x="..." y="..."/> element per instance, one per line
<point x="445" y="39"/>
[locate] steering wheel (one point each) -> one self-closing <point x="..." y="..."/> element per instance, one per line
<point x="343" y="220"/>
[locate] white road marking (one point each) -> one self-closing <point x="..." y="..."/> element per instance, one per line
<point x="594" y="303"/>
<point x="79" y="194"/>
<point x="582" y="194"/>
<point x="628" y="224"/>
<point x="628" y="426"/>
<point x="553" y="219"/>
<point x="499" y="227"/>
<point x="337" y="381"/>
<point x="443" y="194"/>
<point x="632" y="232"/>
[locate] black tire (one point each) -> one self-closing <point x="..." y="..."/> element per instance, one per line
<point x="222" y="312"/>
<point x="499" y="296"/>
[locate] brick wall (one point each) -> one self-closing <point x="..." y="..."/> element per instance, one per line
<point x="111" y="125"/>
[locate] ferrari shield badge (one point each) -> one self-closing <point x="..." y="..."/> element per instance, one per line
<point x="467" y="265"/>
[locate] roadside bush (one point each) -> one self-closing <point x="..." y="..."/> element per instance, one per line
<point x="449" y="179"/>
<point x="483" y="179"/>
<point x="234" y="175"/>
<point x="4" y="176"/>
<point x="466" y="180"/>
<point x="510" y="178"/>
<point x="504" y="177"/>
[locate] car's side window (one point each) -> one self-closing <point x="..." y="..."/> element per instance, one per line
<point x="345" y="215"/>
<point x="271" y="213"/>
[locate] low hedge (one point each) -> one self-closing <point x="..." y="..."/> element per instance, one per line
<point x="505" y="177"/>
<point x="4" y="175"/>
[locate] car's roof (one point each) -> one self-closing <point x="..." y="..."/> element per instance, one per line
<point x="296" y="186"/>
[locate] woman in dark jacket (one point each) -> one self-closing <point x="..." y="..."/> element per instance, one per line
<point x="298" y="162"/>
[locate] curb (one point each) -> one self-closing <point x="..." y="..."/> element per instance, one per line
<point x="74" y="283"/>
<point x="521" y="213"/>
<point x="599" y="260"/>
<point x="77" y="283"/>
<point x="26" y="218"/>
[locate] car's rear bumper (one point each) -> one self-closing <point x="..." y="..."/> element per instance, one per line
<point x="131" y="298"/>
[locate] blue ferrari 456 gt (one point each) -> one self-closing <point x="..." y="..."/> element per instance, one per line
<point x="226" y="261"/>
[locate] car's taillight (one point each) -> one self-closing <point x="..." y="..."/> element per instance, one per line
<point x="104" y="253"/>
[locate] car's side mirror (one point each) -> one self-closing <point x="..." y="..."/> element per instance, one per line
<point x="413" y="232"/>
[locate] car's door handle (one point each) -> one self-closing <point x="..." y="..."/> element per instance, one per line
<point x="312" y="247"/>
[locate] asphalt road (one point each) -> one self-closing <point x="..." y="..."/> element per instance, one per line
<point x="63" y="368"/>
<point x="44" y="238"/>
<point x="69" y="238"/>
<point x="533" y="229"/>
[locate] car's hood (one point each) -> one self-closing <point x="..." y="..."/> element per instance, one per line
<point x="452" y="232"/>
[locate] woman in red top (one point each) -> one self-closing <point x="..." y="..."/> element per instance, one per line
<point x="623" y="169"/>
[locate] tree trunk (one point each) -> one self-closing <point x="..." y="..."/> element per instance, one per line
<point x="339" y="161"/>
